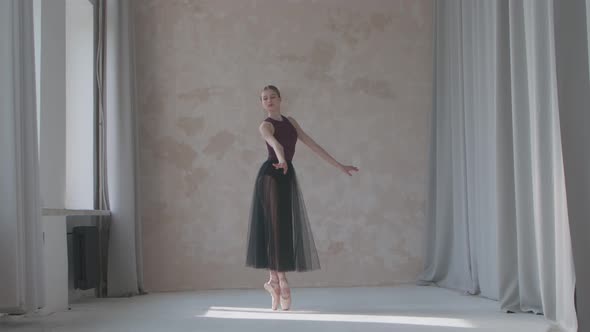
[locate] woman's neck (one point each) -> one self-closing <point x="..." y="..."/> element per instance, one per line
<point x="275" y="115"/>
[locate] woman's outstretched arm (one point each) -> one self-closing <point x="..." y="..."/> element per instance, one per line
<point x="315" y="147"/>
<point x="267" y="131"/>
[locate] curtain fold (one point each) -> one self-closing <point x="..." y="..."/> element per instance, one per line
<point x="120" y="186"/>
<point x="499" y="222"/>
<point x="573" y="80"/>
<point x="543" y="269"/>
<point x="461" y="251"/>
<point x="22" y="253"/>
<point x="30" y="196"/>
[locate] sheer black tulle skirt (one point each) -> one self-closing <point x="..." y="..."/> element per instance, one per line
<point x="280" y="236"/>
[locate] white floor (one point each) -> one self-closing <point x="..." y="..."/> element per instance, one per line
<point x="403" y="308"/>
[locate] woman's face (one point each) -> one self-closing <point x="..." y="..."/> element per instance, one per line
<point x="270" y="100"/>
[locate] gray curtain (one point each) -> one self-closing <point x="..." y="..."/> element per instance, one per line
<point x="22" y="287"/>
<point x="572" y="33"/>
<point x="462" y="236"/>
<point x="499" y="213"/>
<point x="118" y="178"/>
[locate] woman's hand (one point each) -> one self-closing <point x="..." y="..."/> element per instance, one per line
<point x="282" y="165"/>
<point x="348" y="169"/>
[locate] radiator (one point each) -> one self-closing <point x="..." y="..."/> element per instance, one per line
<point x="85" y="256"/>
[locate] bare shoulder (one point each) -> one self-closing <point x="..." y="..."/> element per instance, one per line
<point x="293" y="122"/>
<point x="266" y="126"/>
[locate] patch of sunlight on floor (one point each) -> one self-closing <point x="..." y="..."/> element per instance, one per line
<point x="268" y="314"/>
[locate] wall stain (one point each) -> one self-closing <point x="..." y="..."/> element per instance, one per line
<point x="321" y="57"/>
<point x="377" y="88"/>
<point x="219" y="144"/>
<point x="354" y="27"/>
<point x="248" y="156"/>
<point x="193" y="178"/>
<point x="335" y="248"/>
<point x="190" y="125"/>
<point x="177" y="153"/>
<point x="379" y="21"/>
<point x="292" y="58"/>
<point x="202" y="95"/>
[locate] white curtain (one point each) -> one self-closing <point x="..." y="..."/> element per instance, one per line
<point x="21" y="239"/>
<point x="572" y="33"/>
<point x="499" y="223"/>
<point x="462" y="244"/>
<point x="120" y="142"/>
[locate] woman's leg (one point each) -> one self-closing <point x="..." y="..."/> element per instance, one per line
<point x="285" y="291"/>
<point x="272" y="286"/>
<point x="274" y="276"/>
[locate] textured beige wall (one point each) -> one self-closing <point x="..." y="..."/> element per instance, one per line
<point x="357" y="77"/>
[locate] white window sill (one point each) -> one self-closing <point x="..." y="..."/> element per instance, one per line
<point x="73" y="212"/>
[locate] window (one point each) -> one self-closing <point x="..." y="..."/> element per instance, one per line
<point x="65" y="47"/>
<point x="81" y="104"/>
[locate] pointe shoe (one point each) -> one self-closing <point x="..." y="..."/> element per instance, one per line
<point x="285" y="294"/>
<point x="272" y="287"/>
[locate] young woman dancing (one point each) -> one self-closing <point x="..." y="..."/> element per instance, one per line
<point x="280" y="237"/>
